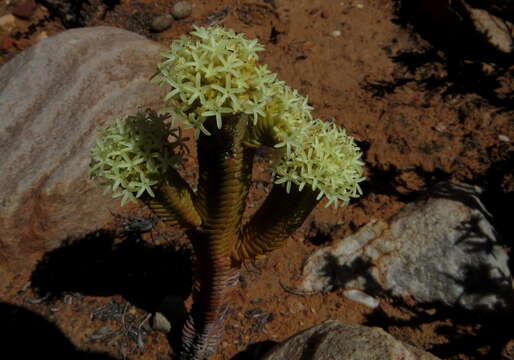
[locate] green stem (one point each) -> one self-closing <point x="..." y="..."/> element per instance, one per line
<point x="279" y="217"/>
<point x="225" y="172"/>
<point x="174" y="202"/>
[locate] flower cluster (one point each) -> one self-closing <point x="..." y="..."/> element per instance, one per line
<point x="321" y="155"/>
<point x="134" y="154"/>
<point x="288" y="111"/>
<point x="214" y="72"/>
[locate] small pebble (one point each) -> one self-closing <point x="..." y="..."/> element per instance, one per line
<point x="361" y="298"/>
<point x="487" y="68"/>
<point x="161" y="23"/>
<point x="102" y="333"/>
<point x="182" y="10"/>
<point x="169" y="313"/>
<point x="25" y="9"/>
<point x="336" y="33"/>
<point x="431" y="312"/>
<point x="7" y="22"/>
<point x="440" y="127"/>
<point x="26" y="286"/>
<point x="160" y="323"/>
<point x="504" y="138"/>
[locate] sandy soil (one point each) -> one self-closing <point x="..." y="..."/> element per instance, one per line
<point x="422" y="111"/>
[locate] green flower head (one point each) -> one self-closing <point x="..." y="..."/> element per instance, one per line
<point x="321" y="155"/>
<point x="134" y="154"/>
<point x="213" y="72"/>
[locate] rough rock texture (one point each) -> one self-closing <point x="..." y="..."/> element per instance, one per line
<point x="54" y="97"/>
<point x="440" y="249"/>
<point x="496" y="31"/>
<point x="336" y="340"/>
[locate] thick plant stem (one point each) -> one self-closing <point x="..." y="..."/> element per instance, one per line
<point x="225" y="171"/>
<point x="174" y="202"/>
<point x="225" y="168"/>
<point x="279" y="217"/>
<point x="204" y="327"/>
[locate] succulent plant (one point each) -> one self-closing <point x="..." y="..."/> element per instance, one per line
<point x="216" y="86"/>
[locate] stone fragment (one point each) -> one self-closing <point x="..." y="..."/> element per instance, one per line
<point x="361" y="298"/>
<point x="171" y="313"/>
<point x="7" y="22"/>
<point x="497" y="32"/>
<point x="161" y="23"/>
<point x="439" y="249"/>
<point x="160" y="323"/>
<point x="25" y="9"/>
<point x="337" y="340"/>
<point x="56" y="96"/>
<point x="181" y="10"/>
<point x="503" y="138"/>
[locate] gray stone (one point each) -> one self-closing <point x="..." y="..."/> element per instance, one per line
<point x="161" y="23"/>
<point x="160" y="323"/>
<point x="54" y="97"/>
<point x="496" y="31"/>
<point x="439" y="249"/>
<point x="182" y="10"/>
<point x="171" y="313"/>
<point x="336" y="340"/>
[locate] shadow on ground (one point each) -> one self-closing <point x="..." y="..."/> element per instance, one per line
<point x="474" y="334"/>
<point x="28" y="335"/>
<point x="101" y="264"/>
<point x="457" y="61"/>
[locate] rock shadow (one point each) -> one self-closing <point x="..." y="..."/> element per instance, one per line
<point x="339" y="275"/>
<point x="454" y="61"/>
<point x="386" y="181"/>
<point x="29" y="335"/>
<point x="498" y="197"/>
<point x="473" y="334"/>
<point x="102" y="264"/>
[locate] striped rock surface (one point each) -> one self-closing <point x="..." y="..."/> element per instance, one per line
<point x="54" y="97"/>
<point x="337" y="340"/>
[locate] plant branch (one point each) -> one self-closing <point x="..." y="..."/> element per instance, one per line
<point x="279" y="217"/>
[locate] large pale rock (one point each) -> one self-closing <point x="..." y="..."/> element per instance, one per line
<point x="336" y="340"/>
<point x="53" y="99"/>
<point x="440" y="249"/>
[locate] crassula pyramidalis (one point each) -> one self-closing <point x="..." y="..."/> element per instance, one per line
<point x="217" y="87"/>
